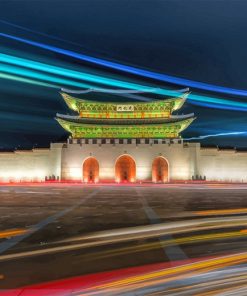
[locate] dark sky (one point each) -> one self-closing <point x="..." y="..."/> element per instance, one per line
<point x="200" y="40"/>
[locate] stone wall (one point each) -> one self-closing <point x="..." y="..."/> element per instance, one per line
<point x="30" y="165"/>
<point x="186" y="161"/>
<point x="223" y="165"/>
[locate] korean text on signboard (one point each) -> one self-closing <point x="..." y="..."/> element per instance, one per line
<point x="125" y="108"/>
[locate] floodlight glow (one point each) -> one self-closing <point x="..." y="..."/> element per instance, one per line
<point x="75" y="173"/>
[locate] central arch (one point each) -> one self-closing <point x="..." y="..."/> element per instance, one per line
<point x="125" y="169"/>
<point x="90" y="170"/>
<point x="160" y="170"/>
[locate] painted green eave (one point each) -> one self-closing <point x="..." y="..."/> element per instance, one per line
<point x="112" y="131"/>
<point x="74" y="103"/>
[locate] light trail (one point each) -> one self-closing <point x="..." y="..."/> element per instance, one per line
<point x="221" y="212"/>
<point x="162" y="283"/>
<point x="51" y="78"/>
<point x="79" y="283"/>
<point x="26" y="80"/>
<point x="25" y="63"/>
<point x="165" y="243"/>
<point x="43" y="67"/>
<point x="169" y="273"/>
<point x="41" y="33"/>
<point x="206" y="286"/>
<point x="216" y="105"/>
<point x="38" y="75"/>
<point x="216" y="135"/>
<point x="130" y="69"/>
<point x="238" y="289"/>
<point x="216" y="277"/>
<point x="121" y="235"/>
<point x="105" y="90"/>
<point x="12" y="232"/>
<point x="156" y="230"/>
<point x="131" y="94"/>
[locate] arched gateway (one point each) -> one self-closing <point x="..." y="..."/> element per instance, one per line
<point x="91" y="170"/>
<point x="160" y="170"/>
<point x="107" y="129"/>
<point x="125" y="169"/>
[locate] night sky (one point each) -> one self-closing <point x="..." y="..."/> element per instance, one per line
<point x="202" y="41"/>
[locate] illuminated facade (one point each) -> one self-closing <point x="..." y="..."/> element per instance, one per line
<point x="114" y="137"/>
<point x="128" y="120"/>
<point x="124" y="142"/>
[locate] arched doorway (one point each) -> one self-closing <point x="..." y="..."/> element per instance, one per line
<point x="160" y="170"/>
<point x="90" y="170"/>
<point x="125" y="169"/>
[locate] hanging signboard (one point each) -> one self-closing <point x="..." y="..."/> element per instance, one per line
<point x="125" y="108"/>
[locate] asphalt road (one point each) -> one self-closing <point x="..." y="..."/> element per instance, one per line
<point x="59" y="231"/>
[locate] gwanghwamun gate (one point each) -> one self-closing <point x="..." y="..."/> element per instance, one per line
<point x="124" y="142"/>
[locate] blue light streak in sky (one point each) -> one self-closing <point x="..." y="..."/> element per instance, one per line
<point x="105" y="90"/>
<point x="216" y="135"/>
<point x="43" y="67"/>
<point x="222" y="106"/>
<point x="9" y="72"/>
<point x="132" y="70"/>
<point x="26" y="80"/>
<point x="40" y="76"/>
<point x="40" y="33"/>
<point x="57" y="72"/>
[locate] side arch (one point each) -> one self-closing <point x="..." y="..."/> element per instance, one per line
<point x="125" y="169"/>
<point x="90" y="170"/>
<point x="160" y="170"/>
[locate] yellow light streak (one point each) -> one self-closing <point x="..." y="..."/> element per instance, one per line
<point x="215" y="263"/>
<point x="153" y="282"/>
<point x="221" y="290"/>
<point x="12" y="232"/>
<point x="166" y="243"/>
<point x="225" y="281"/>
<point x="222" y="212"/>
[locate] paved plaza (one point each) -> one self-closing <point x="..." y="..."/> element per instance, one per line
<point x="68" y="230"/>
